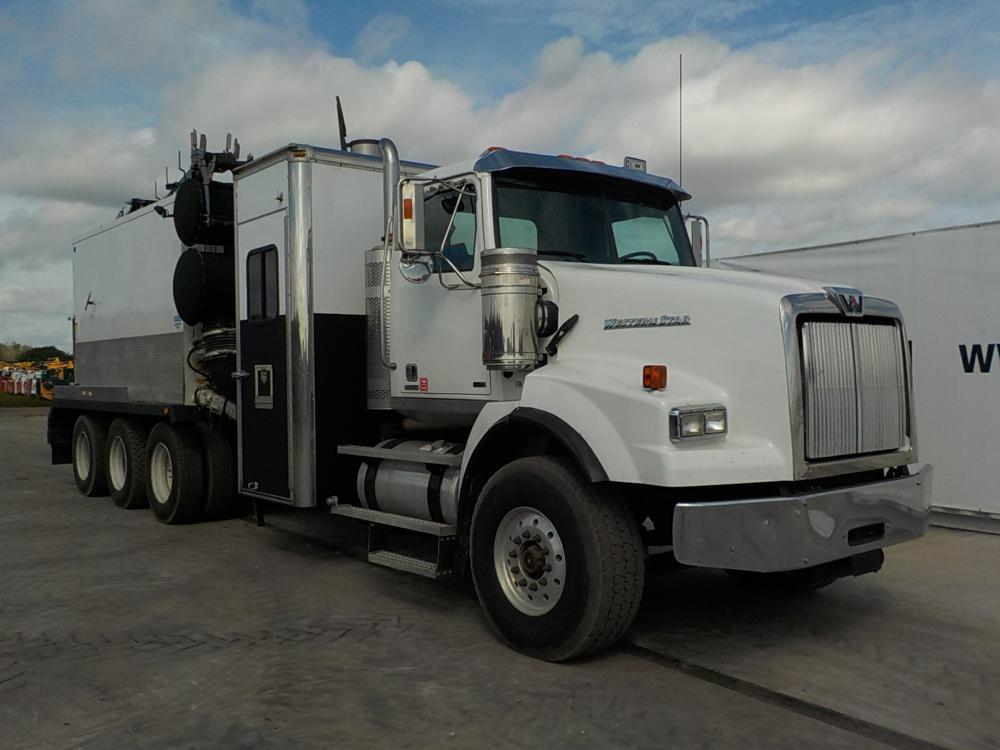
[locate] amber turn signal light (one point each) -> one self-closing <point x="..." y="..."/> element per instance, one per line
<point x="654" y="377"/>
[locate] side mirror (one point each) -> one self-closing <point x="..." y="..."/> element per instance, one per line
<point x="697" y="242"/>
<point x="700" y="244"/>
<point x="411" y="209"/>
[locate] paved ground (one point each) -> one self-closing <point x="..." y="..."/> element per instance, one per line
<point x="116" y="631"/>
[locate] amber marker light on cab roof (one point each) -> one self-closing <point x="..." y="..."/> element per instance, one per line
<point x="654" y="377"/>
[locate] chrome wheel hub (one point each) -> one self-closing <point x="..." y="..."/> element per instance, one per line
<point x="529" y="561"/>
<point x="81" y="456"/>
<point x="117" y="464"/>
<point x="161" y="473"/>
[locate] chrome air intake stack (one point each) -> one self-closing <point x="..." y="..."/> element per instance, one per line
<point x="510" y="279"/>
<point x="378" y="273"/>
<point x="376" y="323"/>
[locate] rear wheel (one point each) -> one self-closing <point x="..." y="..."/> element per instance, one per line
<point x="174" y="473"/>
<point x="558" y="563"/>
<point x="90" y="436"/>
<point x="127" y="464"/>
<point x="221" y="500"/>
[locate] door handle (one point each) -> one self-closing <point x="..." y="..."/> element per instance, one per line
<point x="240" y="375"/>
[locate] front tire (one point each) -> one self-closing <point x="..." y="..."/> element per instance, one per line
<point x="127" y="464"/>
<point x="174" y="473"/>
<point x="558" y="563"/>
<point x="90" y="439"/>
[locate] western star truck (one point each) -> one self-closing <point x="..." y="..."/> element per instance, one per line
<point x="517" y="365"/>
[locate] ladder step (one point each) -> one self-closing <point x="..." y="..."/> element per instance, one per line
<point x="406" y="563"/>
<point x="418" y="525"/>
<point x="409" y="456"/>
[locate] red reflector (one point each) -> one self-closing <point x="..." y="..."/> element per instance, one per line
<point x="654" y="377"/>
<point x="407" y="208"/>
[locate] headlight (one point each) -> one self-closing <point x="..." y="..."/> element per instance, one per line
<point x="698" y="422"/>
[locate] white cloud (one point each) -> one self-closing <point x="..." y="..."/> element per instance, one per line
<point x="381" y="36"/>
<point x="779" y="152"/>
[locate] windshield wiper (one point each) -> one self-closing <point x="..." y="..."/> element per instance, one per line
<point x="563" y="254"/>
<point x="656" y="262"/>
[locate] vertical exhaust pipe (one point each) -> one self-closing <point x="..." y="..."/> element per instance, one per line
<point x="390" y="180"/>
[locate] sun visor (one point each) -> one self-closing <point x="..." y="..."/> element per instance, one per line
<point x="501" y="159"/>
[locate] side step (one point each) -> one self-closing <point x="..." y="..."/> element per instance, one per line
<point x="389" y="454"/>
<point x="405" y="563"/>
<point x="393" y="519"/>
<point x="380" y="523"/>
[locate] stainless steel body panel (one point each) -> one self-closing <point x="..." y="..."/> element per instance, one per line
<point x="150" y="367"/>
<point x="789" y="533"/>
<point x="300" y="349"/>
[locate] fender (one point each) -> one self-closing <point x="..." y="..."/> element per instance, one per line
<point x="522" y="417"/>
<point x="570" y="439"/>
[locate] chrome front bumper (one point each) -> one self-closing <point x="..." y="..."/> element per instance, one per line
<point x="788" y="533"/>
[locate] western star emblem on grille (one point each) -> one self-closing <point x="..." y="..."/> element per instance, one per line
<point x="847" y="299"/>
<point x="656" y="321"/>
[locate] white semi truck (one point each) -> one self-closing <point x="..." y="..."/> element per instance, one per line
<point x="516" y="361"/>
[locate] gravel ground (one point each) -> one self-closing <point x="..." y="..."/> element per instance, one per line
<point x="117" y="631"/>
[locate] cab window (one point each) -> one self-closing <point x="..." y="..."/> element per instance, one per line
<point x="460" y="245"/>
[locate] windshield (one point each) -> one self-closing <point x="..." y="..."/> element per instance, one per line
<point x="569" y="217"/>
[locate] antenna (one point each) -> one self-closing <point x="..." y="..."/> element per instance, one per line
<point x="680" y="119"/>
<point x="342" y="126"/>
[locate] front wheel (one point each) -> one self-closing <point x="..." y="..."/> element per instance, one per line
<point x="558" y="563"/>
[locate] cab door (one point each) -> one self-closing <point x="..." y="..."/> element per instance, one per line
<point x="436" y="337"/>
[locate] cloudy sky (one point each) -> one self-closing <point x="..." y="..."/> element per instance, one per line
<point x="804" y="122"/>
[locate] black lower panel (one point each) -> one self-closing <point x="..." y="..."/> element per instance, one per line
<point x="264" y="421"/>
<point x="341" y="415"/>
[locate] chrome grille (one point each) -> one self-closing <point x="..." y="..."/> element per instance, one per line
<point x="854" y="388"/>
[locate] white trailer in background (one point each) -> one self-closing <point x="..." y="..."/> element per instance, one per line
<point x="946" y="283"/>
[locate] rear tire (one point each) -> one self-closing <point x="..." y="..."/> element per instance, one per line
<point x="126" y="462"/>
<point x="90" y="439"/>
<point x="558" y="563"/>
<point x="220" y="474"/>
<point x="174" y="473"/>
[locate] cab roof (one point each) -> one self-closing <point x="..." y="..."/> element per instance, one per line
<point x="502" y="159"/>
